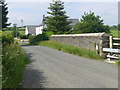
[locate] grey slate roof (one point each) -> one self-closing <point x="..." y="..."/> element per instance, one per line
<point x="45" y="26"/>
<point x="40" y="24"/>
<point x="73" y="22"/>
<point x="31" y="29"/>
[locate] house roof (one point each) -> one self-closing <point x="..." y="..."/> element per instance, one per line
<point x="31" y="29"/>
<point x="41" y="24"/>
<point x="73" y="21"/>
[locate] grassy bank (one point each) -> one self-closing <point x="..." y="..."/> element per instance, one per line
<point x="71" y="49"/>
<point x="115" y="33"/>
<point x="14" y="61"/>
<point x="21" y="32"/>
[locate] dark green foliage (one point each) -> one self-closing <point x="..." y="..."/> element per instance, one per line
<point x="24" y="36"/>
<point x="15" y="33"/>
<point x="31" y="38"/>
<point x="8" y="29"/>
<point x="7" y="39"/>
<point x="57" y="21"/>
<point x="114" y="27"/>
<point x="38" y="38"/>
<point x="118" y="26"/>
<point x="4" y="15"/>
<point x="91" y="24"/>
<point x="13" y="62"/>
<point x="116" y="46"/>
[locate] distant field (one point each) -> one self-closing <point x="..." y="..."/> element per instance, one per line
<point x="21" y="32"/>
<point x="115" y="33"/>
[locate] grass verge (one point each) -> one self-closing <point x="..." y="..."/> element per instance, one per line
<point x="115" y="33"/>
<point x="21" y="32"/>
<point x="118" y="62"/>
<point x="14" y="61"/>
<point x="71" y="49"/>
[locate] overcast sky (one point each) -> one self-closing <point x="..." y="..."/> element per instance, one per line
<point x="32" y="11"/>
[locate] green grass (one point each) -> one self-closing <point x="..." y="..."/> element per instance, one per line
<point x="21" y="32"/>
<point x="115" y="33"/>
<point x="118" y="62"/>
<point x="14" y="61"/>
<point x="21" y="28"/>
<point x="71" y="49"/>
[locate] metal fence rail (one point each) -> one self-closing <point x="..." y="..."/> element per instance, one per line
<point x="114" y="51"/>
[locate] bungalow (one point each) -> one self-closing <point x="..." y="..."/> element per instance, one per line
<point x="39" y="29"/>
<point x="30" y="29"/>
<point x="34" y="29"/>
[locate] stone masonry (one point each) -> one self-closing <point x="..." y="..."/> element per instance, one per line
<point x="91" y="41"/>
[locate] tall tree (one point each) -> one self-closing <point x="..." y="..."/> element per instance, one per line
<point x="114" y="27"/>
<point x="4" y="15"/>
<point x="90" y="23"/>
<point x="57" y="22"/>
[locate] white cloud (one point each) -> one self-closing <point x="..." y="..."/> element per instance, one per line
<point x="63" y="0"/>
<point x="107" y="10"/>
<point x="32" y="13"/>
<point x="28" y="19"/>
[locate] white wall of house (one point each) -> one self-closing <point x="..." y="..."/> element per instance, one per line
<point x="26" y="31"/>
<point x="39" y="30"/>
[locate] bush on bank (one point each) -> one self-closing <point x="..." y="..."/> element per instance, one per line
<point x="41" y="37"/>
<point x="14" y="61"/>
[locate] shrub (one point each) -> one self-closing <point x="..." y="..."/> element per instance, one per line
<point x="24" y="36"/>
<point x="7" y="39"/>
<point x="13" y="62"/>
<point x="38" y="38"/>
<point x="14" y="33"/>
<point x="31" y="38"/>
<point x="90" y="23"/>
<point x="48" y="34"/>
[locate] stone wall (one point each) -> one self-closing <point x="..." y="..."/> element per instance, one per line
<point x="90" y="41"/>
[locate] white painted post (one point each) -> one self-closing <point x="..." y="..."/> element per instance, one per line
<point x="111" y="41"/>
<point x="97" y="48"/>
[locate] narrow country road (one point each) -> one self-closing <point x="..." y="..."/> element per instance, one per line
<point x="51" y="68"/>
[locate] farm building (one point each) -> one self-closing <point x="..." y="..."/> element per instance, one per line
<point x="34" y="29"/>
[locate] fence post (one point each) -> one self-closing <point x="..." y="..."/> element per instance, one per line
<point x="111" y="41"/>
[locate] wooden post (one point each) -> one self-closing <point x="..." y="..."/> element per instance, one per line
<point x="0" y="16"/>
<point x="111" y="41"/>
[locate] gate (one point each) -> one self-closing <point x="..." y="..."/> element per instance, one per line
<point x="113" y="53"/>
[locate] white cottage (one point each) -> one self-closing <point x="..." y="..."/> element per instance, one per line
<point x="34" y="29"/>
<point x="30" y="29"/>
<point x="39" y="29"/>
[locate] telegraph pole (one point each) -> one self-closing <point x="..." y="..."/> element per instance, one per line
<point x="1" y="15"/>
<point x="16" y="30"/>
<point x="43" y="22"/>
<point x="22" y="22"/>
<point x="22" y="25"/>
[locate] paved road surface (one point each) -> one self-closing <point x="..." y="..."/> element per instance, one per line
<point x="51" y="68"/>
